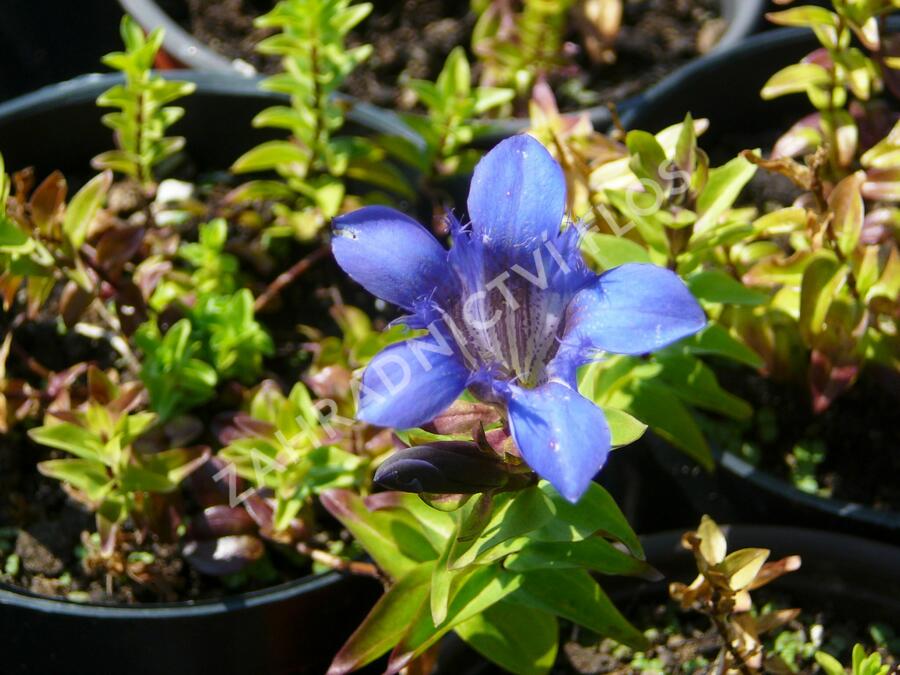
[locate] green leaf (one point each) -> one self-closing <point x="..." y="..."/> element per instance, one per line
<point x="722" y="189"/>
<point x="84" y="206"/>
<point x="521" y="640"/>
<point x="594" y="553"/>
<point x="176" y="464"/>
<point x="696" y="384"/>
<point x="574" y="595"/>
<point x="514" y="515"/>
<point x="641" y="210"/>
<point x="781" y="221"/>
<point x="12" y="238"/>
<point x="437" y="526"/>
<point x="473" y="592"/>
<point x="595" y="513"/>
<point x="609" y="251"/>
<point x="387" y="622"/>
<point x="804" y="17"/>
<point x="821" y="280"/>
<point x="716" y="286"/>
<point x="848" y="210"/>
<point x="647" y="155"/>
<point x="73" y="439"/>
<point x="87" y="475"/>
<point x="138" y="479"/>
<point x="441" y="580"/>
<point x="796" y="78"/>
<point x="269" y="156"/>
<point x="716" y="340"/>
<point x="659" y="408"/>
<point x="829" y="664"/>
<point x="623" y="428"/>
<point x="392" y="538"/>
<point x="488" y="98"/>
<point x="686" y="147"/>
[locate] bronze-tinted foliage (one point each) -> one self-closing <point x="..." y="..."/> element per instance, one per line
<point x="721" y="591"/>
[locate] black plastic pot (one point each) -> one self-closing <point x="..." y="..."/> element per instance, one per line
<point x="294" y="628"/>
<point x="854" y="577"/>
<point x="739" y="492"/>
<point x="724" y="88"/>
<point x="743" y="16"/>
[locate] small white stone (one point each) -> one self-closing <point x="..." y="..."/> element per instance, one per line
<point x="172" y="191"/>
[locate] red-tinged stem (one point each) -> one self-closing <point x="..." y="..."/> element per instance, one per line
<point x="288" y="277"/>
<point x="341" y="564"/>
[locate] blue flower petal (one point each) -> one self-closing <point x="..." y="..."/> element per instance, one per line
<point x="390" y="254"/>
<point x="561" y="435"/>
<point x="517" y="195"/>
<point x="410" y="383"/>
<point x="631" y="309"/>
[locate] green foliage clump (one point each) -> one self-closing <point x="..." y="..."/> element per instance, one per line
<point x="499" y="570"/>
<point x="292" y="451"/>
<point x="315" y="163"/>
<point x="453" y="105"/>
<point x="175" y="377"/>
<point x="515" y="48"/>
<point x="661" y="203"/>
<point x="830" y="262"/>
<point x="862" y="663"/>
<point x="219" y="340"/>
<point x="108" y="472"/>
<point x="144" y="113"/>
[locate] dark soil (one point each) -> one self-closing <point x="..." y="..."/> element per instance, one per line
<point x="858" y="431"/>
<point x="412" y="38"/>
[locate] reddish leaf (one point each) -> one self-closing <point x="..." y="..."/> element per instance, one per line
<point x="828" y="380"/>
<point x="117" y="246"/>
<point x="73" y="303"/>
<point x="130" y="307"/>
<point x="47" y="201"/>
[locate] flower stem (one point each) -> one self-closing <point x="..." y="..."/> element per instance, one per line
<point x="288" y="277"/>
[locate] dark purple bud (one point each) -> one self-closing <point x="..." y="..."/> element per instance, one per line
<point x="456" y="467"/>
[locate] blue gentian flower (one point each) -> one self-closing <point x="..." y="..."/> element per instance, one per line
<point x="511" y="312"/>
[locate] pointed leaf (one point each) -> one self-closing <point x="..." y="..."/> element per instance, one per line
<point x="595" y="513"/>
<point x="387" y="622"/>
<point x="574" y="595"/>
<point x="521" y="640"/>
<point x="84" y="207"/>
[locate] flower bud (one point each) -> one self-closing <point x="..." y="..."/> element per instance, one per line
<point x="443" y="467"/>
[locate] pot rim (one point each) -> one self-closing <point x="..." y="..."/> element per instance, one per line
<point x="24" y="599"/>
<point x="857" y="576"/>
<point x="886" y="518"/>
<point x="86" y="88"/>
<point x="877" y="556"/>
<point x="751" y="47"/>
